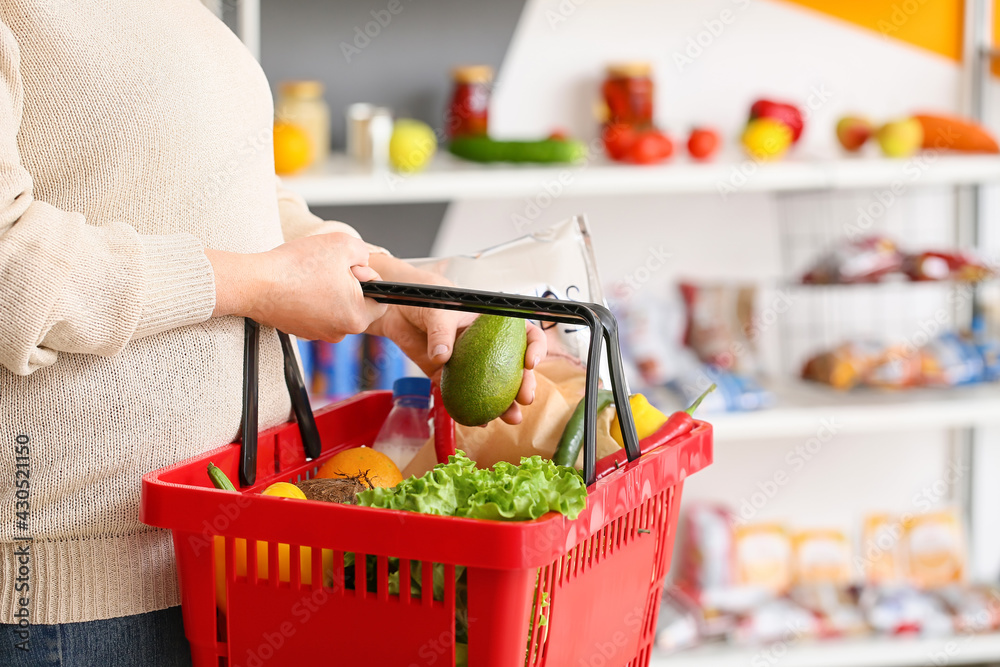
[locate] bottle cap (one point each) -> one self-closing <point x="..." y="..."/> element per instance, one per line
<point x="629" y="69"/>
<point x="411" y="387"/>
<point x="301" y="89"/>
<point x="472" y="74"/>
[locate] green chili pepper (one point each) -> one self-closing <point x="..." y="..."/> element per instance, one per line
<point x="219" y="479"/>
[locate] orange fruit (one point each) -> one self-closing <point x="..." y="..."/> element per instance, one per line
<point x="380" y="469"/>
<point x="292" y="149"/>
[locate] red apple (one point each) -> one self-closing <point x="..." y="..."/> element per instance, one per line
<point x="853" y="132"/>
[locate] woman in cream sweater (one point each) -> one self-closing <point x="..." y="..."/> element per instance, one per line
<point x="140" y="219"/>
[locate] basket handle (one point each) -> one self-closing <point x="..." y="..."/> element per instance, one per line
<point x="296" y="391"/>
<point x="599" y="319"/>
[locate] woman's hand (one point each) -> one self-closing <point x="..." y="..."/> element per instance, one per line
<point x="427" y="335"/>
<point x="308" y="287"/>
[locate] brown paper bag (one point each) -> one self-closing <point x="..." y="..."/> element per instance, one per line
<point x="560" y="386"/>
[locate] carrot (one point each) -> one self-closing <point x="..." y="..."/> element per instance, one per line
<point x="956" y="134"/>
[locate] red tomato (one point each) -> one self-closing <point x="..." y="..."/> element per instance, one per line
<point x="618" y="140"/>
<point x="651" y="147"/>
<point x="703" y="143"/>
<point x="559" y="134"/>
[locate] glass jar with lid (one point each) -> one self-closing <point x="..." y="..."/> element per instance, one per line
<point x="301" y="103"/>
<point x="468" y="110"/>
<point x="628" y="93"/>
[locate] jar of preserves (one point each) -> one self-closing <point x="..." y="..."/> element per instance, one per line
<point x="301" y="103"/>
<point x="468" y="111"/>
<point x="628" y="94"/>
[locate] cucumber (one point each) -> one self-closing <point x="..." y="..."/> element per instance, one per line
<point x="484" y="149"/>
<point x="572" y="437"/>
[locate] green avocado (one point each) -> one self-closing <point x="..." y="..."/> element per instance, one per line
<point x="484" y="373"/>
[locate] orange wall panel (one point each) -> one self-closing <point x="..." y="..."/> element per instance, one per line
<point x="934" y="25"/>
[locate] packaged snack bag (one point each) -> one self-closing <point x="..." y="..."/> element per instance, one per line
<point x="763" y="557"/>
<point x="881" y="538"/>
<point x="719" y="325"/>
<point x="865" y="260"/>
<point x="935" y="549"/>
<point x="821" y="557"/>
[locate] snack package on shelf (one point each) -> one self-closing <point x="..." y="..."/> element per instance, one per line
<point x="904" y="609"/>
<point x="654" y="331"/>
<point x="778" y="620"/>
<point x="821" y="557"/>
<point x="719" y="322"/>
<point x="870" y="259"/>
<point x="948" y="360"/>
<point x="975" y="609"/>
<point x="956" y="265"/>
<point x="761" y="583"/>
<point x="556" y="262"/>
<point x="844" y="367"/>
<point x="763" y="553"/>
<point x="881" y="550"/>
<point x="734" y="392"/>
<point x="835" y="608"/>
<point x="864" y="260"/>
<point x="934" y="549"/>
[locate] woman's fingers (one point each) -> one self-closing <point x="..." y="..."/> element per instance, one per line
<point x="365" y="274"/>
<point x="537" y="347"/>
<point x="526" y="394"/>
<point x="513" y="415"/>
<point x="442" y="328"/>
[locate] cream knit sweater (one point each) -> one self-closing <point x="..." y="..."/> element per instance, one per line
<point x="133" y="133"/>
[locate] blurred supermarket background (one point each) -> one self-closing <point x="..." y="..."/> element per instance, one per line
<point x="840" y="286"/>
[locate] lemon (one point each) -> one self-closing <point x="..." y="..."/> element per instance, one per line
<point x="647" y="419"/>
<point x="284" y="490"/>
<point x="412" y="145"/>
<point x="292" y="149"/>
<point x="766" y="138"/>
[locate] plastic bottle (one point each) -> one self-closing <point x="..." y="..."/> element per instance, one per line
<point x="407" y="427"/>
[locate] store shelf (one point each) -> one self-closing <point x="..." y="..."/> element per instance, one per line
<point x="867" y="652"/>
<point x="341" y="181"/>
<point x="801" y="409"/>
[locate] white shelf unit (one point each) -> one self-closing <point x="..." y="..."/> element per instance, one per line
<point x="342" y="181"/>
<point x="800" y="407"/>
<point x="866" y="652"/>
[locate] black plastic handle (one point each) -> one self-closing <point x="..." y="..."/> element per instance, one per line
<point x="296" y="391"/>
<point x="599" y="319"/>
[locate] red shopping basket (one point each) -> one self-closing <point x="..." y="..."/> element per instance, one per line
<point x="553" y="591"/>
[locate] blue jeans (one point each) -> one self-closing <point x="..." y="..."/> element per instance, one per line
<point x="155" y="639"/>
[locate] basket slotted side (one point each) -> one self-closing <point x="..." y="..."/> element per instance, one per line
<point x="604" y="557"/>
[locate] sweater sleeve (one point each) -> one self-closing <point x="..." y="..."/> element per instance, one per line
<point x="298" y="221"/>
<point x="68" y="286"/>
